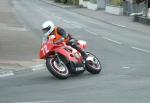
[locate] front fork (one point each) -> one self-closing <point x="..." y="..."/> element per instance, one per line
<point x="58" y="60"/>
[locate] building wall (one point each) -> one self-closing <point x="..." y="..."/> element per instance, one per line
<point x="101" y="4"/>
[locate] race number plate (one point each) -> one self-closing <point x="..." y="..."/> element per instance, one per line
<point x="79" y="68"/>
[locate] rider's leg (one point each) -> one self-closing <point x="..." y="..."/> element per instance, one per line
<point x="73" y="43"/>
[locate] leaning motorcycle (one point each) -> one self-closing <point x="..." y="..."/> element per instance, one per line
<point x="62" y="60"/>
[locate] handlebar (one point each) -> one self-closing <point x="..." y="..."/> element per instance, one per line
<point x="55" y="44"/>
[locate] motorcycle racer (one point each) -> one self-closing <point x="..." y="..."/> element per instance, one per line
<point x="58" y="34"/>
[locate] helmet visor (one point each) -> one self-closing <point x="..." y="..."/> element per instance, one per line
<point x="45" y="30"/>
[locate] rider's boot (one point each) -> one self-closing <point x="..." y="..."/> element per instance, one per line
<point x="84" y="55"/>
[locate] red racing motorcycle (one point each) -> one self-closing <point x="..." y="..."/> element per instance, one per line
<point x="63" y="60"/>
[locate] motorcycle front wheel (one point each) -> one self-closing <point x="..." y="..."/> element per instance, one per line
<point x="93" y="66"/>
<point x="59" y="70"/>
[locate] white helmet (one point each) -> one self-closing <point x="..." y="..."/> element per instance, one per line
<point x="48" y="27"/>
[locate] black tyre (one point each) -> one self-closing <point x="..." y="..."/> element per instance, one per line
<point x="58" y="70"/>
<point x="94" y="66"/>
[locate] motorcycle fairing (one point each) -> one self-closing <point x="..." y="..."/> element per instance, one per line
<point x="70" y="53"/>
<point x="48" y="48"/>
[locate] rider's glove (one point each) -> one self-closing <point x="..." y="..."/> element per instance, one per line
<point x="59" y="41"/>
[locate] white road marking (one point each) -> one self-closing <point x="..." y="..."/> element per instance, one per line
<point x="143" y="50"/>
<point x="112" y="23"/>
<point x="78" y="24"/>
<point x="38" y="67"/>
<point x="16" y="28"/>
<point x="126" y="67"/>
<point x="10" y="73"/>
<point x="93" y="22"/>
<point x="120" y="25"/>
<point x="41" y="102"/>
<point x="112" y="40"/>
<point x="90" y="32"/>
<point x="5" y="27"/>
<point x="66" y="21"/>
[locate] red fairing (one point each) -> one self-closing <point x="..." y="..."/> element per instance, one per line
<point x="45" y="49"/>
<point x="69" y="54"/>
<point x="48" y="49"/>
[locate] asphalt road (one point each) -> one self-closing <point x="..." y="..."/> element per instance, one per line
<point x="124" y="55"/>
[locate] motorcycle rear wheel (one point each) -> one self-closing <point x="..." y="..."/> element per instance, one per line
<point x="57" y="70"/>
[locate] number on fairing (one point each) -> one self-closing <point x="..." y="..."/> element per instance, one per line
<point x="44" y="49"/>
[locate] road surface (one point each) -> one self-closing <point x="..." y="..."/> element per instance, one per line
<point x="124" y="55"/>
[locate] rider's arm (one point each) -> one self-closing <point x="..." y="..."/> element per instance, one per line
<point x="64" y="33"/>
<point x="70" y="36"/>
<point x="61" y="31"/>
